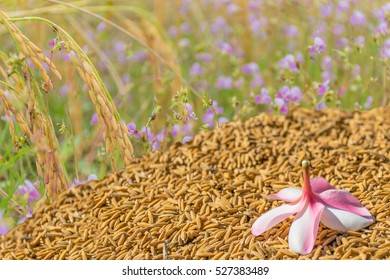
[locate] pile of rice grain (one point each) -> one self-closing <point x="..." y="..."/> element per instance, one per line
<point x="199" y="200"/>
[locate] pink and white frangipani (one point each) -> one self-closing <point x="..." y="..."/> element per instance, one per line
<point x="317" y="201"/>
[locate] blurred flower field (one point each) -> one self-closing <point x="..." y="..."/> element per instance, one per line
<point x="85" y="86"/>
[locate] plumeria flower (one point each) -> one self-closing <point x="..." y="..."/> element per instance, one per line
<point x="317" y="201"/>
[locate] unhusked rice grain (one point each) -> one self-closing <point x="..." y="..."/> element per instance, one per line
<point x="198" y="200"/>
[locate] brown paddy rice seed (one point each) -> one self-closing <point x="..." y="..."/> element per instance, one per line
<point x="199" y="200"/>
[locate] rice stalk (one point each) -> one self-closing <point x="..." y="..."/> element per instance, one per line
<point x="114" y="130"/>
<point x="37" y="125"/>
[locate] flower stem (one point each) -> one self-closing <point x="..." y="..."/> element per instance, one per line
<point x="306" y="177"/>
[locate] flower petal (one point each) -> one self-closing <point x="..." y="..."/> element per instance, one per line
<point x="303" y="231"/>
<point x="287" y="194"/>
<point x="343" y="200"/>
<point x="274" y="217"/>
<point x="343" y="220"/>
<point x="319" y="185"/>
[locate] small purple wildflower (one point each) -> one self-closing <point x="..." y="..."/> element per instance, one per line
<point x="175" y="130"/>
<point x="201" y="85"/>
<point x="382" y="28"/>
<point x="263" y="98"/>
<point x="338" y="30"/>
<point x="67" y="55"/>
<point x="385" y="50"/>
<point x="132" y="129"/>
<point x="226" y="48"/>
<point x="343" y="6"/>
<point x="342" y="90"/>
<point x="4" y="227"/>
<point x="125" y="78"/>
<point x="368" y="103"/>
<point x="239" y="82"/>
<point x="77" y="182"/>
<point x="139" y="56"/>
<point x="218" y="109"/>
<point x="187" y="129"/>
<point x="384" y="11"/>
<point x="357" y="19"/>
<point x="291" y="31"/>
<point x="94" y="119"/>
<point x="257" y="81"/>
<point x="224" y="82"/>
<point x="258" y="26"/>
<point x="7" y="118"/>
<point x="318" y="47"/>
<point x="321" y="28"/>
<point x="52" y="43"/>
<point x="323" y="88"/>
<point x="356" y="72"/>
<point x="29" y="214"/>
<point x="326" y="10"/>
<point x="289" y="62"/>
<point x="250" y="68"/>
<point x="232" y="8"/>
<point x="360" y="41"/>
<point x="190" y="113"/>
<point x="343" y="43"/>
<point x="321" y="106"/>
<point x="196" y="69"/>
<point x="146" y="131"/>
<point x="290" y="95"/>
<point x="101" y="27"/>
<point x="222" y="120"/>
<point x="172" y="31"/>
<point x="220" y="26"/>
<point x="92" y="177"/>
<point x="283" y="93"/>
<point x="295" y="94"/>
<point x="204" y="57"/>
<point x="64" y="90"/>
<point x="208" y="116"/>
<point x="186" y="139"/>
<point x="281" y="105"/>
<point x="327" y="68"/>
<point x="161" y="136"/>
<point x="119" y="46"/>
<point x="28" y="189"/>
<point x="185" y="27"/>
<point x="183" y="43"/>
<point x="185" y="4"/>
